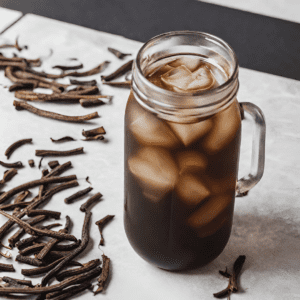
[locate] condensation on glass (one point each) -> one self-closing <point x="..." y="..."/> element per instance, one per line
<point x="182" y="143"/>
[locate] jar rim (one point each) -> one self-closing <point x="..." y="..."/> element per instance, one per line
<point x="215" y="39"/>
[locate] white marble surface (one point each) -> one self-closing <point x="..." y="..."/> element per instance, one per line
<point x="281" y="9"/>
<point x="7" y="17"/>
<point x="266" y="223"/>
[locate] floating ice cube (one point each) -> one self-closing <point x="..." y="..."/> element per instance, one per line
<point x="201" y="79"/>
<point x="191" y="160"/>
<point x="149" y="129"/>
<point x="209" y="211"/>
<point x="191" y="190"/>
<point x="155" y="170"/>
<point x="192" y="63"/>
<point x="225" y="125"/>
<point x="183" y="79"/>
<point x="190" y="133"/>
<point x="178" y="77"/>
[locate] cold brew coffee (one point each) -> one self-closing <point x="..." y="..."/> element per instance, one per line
<point x="180" y="178"/>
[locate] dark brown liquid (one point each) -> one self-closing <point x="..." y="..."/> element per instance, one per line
<point x="180" y="185"/>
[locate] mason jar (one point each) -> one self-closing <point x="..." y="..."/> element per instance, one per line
<point x="182" y="144"/>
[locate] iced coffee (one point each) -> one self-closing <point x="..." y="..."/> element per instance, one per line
<point x="180" y="178"/>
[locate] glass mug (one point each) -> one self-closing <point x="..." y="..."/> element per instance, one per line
<point x="182" y="144"/>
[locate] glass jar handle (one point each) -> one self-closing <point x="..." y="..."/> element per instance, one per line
<point x="258" y="149"/>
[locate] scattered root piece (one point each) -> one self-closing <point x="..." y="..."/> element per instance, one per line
<point x="8" y="175"/>
<point x="94" y="138"/>
<point x="9" y="151"/>
<point x="19" y="105"/>
<point x="91" y="102"/>
<point x="63" y="139"/>
<point x="117" y="53"/>
<point x="233" y="279"/>
<point x="84" y="207"/>
<point x="94" y="132"/>
<point x="104" y="275"/>
<point x="101" y="223"/>
<point x="83" y="82"/>
<point x="119" y="72"/>
<point x="67" y="68"/>
<point x="121" y="84"/>
<point x="77" y="195"/>
<point x="59" y="153"/>
<point x="31" y="163"/>
<point x="53" y="164"/>
<point x="17" y="164"/>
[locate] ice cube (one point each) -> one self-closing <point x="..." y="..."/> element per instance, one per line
<point x="183" y="80"/>
<point x="178" y="77"/>
<point x="191" y="160"/>
<point x="192" y="63"/>
<point x="149" y="129"/>
<point x="201" y="79"/>
<point x="155" y="170"/>
<point x="209" y="211"/>
<point x="190" y="133"/>
<point x="225" y="125"/>
<point x="191" y="190"/>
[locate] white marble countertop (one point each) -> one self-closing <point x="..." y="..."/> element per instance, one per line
<point x="8" y="17"/>
<point x="266" y="225"/>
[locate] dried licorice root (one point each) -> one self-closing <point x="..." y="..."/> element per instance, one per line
<point x="104" y="275"/>
<point x="94" y="138"/>
<point x="53" y="288"/>
<point x="51" y="243"/>
<point x="94" y="132"/>
<point x="72" y="272"/>
<point x="77" y="195"/>
<point x="9" y="151"/>
<point x="91" y="102"/>
<point x="15" y="45"/>
<point x="59" y="153"/>
<point x="40" y="163"/>
<point x="17" y="164"/>
<point x="29" y="260"/>
<point x="8" y="175"/>
<point x="82" y="90"/>
<point x="36" y="231"/>
<point x="41" y="270"/>
<point x="63" y="139"/>
<point x="15" y="281"/>
<point x="85" y="236"/>
<point x="31" y="163"/>
<point x="101" y="223"/>
<point x="35" y="183"/>
<point x="16" y="237"/>
<point x="90" y="201"/>
<point x="232" y="285"/>
<point x="21" y="197"/>
<point x="19" y="105"/>
<point x="67" y="97"/>
<point x="7" y="267"/>
<point x="67" y="68"/>
<point x="117" y="53"/>
<point x="119" y="72"/>
<point x="32" y="249"/>
<point x="47" y="213"/>
<point x="121" y="84"/>
<point x="87" y="179"/>
<point x="83" y="82"/>
<point x="71" y="291"/>
<point x="53" y="164"/>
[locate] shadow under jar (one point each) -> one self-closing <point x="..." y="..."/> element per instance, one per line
<point x="182" y="143"/>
